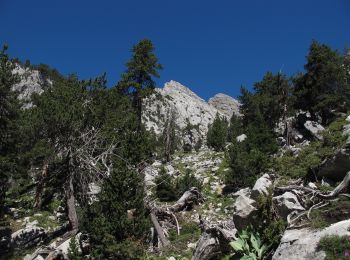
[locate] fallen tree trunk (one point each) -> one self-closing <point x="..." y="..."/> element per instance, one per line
<point x="188" y="200"/>
<point x="214" y="242"/>
<point x="337" y="190"/>
<point x="166" y="214"/>
<point x="164" y="241"/>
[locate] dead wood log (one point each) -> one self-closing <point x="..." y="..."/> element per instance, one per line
<point x="188" y="200"/>
<point x="214" y="241"/>
<point x="40" y="185"/>
<point x="162" y="217"/>
<point x="337" y="190"/>
<point x="160" y="232"/>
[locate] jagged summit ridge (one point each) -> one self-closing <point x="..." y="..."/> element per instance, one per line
<point x="225" y="104"/>
<point x="188" y="107"/>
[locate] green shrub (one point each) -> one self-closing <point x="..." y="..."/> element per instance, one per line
<point x="165" y="189"/>
<point x="185" y="182"/>
<point x="245" y="165"/>
<point x="270" y="227"/>
<point x="249" y="245"/>
<point x="73" y="250"/>
<point x="311" y="157"/>
<point x="336" y="247"/>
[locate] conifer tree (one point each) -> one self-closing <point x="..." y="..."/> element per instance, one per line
<point x="138" y="79"/>
<point x="217" y="133"/>
<point x="321" y="88"/>
<point x="9" y="109"/>
<point x="117" y="222"/>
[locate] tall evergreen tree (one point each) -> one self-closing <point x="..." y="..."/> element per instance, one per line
<point x="321" y="88"/>
<point x="138" y="79"/>
<point x="9" y="109"/>
<point x="270" y="99"/>
<point x="217" y="133"/>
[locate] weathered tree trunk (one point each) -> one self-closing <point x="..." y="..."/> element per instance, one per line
<point x="72" y="213"/>
<point x="40" y="186"/>
<point x="214" y="241"/>
<point x="164" y="241"/>
<point x="187" y="200"/>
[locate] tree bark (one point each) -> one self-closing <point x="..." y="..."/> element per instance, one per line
<point x="72" y="213"/>
<point x="164" y="241"/>
<point x="40" y="186"/>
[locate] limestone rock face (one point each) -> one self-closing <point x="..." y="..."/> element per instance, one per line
<point x="31" y="81"/>
<point x="187" y="108"/>
<point x="301" y="244"/>
<point x="225" y="104"/>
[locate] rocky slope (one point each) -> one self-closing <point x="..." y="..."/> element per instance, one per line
<point x="187" y="107"/>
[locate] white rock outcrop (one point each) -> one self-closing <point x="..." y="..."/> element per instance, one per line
<point x="31" y="81"/>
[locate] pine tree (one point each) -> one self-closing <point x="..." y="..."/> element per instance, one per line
<point x="321" y="88"/>
<point x="271" y="99"/>
<point x="235" y="128"/>
<point x="138" y="79"/>
<point x="9" y="109"/>
<point x="118" y="222"/>
<point x="217" y="133"/>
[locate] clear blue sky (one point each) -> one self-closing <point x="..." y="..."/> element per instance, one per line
<point x="209" y="46"/>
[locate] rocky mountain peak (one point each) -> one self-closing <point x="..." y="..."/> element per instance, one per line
<point x="188" y="108"/>
<point x="225" y="104"/>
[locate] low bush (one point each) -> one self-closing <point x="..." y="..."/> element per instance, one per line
<point x="336" y="247"/>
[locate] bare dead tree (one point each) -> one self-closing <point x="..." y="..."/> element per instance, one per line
<point x="169" y="134"/>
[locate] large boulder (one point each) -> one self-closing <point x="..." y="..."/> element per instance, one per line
<point x="286" y="203"/>
<point x="262" y="186"/>
<point x="301" y="244"/>
<point x="314" y="128"/>
<point x="244" y="211"/>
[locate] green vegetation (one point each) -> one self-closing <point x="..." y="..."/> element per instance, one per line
<point x="9" y="113"/>
<point x="189" y="233"/>
<point x="310" y="157"/>
<point x="73" y="250"/>
<point x="269" y="226"/>
<point x="249" y="246"/>
<point x="165" y="188"/>
<point x="336" y="247"/>
<point x="185" y="182"/>
<point x="170" y="189"/>
<point x="322" y="87"/>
